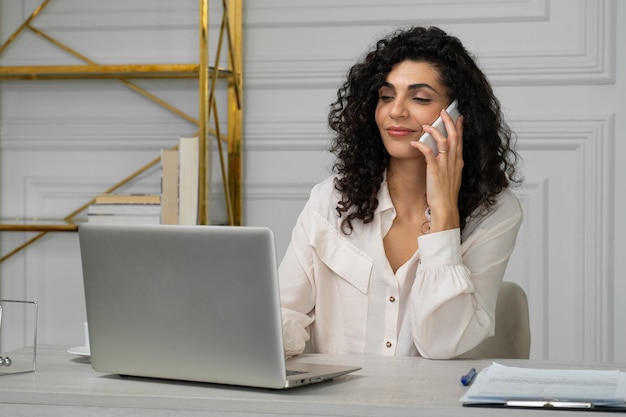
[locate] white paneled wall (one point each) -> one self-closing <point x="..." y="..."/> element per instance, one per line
<point x="556" y="65"/>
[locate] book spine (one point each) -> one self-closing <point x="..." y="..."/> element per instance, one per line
<point x="169" y="186"/>
<point x="189" y="166"/>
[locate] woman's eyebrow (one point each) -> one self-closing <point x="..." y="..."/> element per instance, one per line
<point x="421" y="85"/>
<point x="416" y="86"/>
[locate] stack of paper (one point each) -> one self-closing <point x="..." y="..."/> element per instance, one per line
<point x="505" y="386"/>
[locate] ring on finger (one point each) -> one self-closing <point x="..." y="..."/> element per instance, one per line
<point x="443" y="151"/>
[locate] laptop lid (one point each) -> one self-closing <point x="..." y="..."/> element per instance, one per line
<point x="197" y="303"/>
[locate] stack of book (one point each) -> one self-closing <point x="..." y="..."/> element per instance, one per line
<point x="125" y="209"/>
<point x="176" y="204"/>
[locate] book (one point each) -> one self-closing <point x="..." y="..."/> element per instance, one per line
<point x="124" y="218"/>
<point x="169" y="186"/>
<point x="188" y="179"/>
<point x="128" y="199"/>
<point x="126" y="209"/>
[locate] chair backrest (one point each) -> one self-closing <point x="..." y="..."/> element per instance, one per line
<point x="512" y="333"/>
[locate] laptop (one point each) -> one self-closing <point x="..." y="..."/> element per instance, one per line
<point x="193" y="303"/>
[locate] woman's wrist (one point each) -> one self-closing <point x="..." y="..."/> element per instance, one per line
<point x="444" y="221"/>
<point x="440" y="248"/>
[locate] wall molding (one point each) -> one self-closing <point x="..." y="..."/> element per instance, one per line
<point x="588" y="60"/>
<point x="290" y="135"/>
<point x="95" y="28"/>
<point x="591" y="140"/>
<point x="279" y="191"/>
<point x="114" y="15"/>
<point x="288" y="14"/>
<point x="90" y="134"/>
<point x="533" y="241"/>
<point x="585" y="60"/>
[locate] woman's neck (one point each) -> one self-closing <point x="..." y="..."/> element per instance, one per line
<point x="406" y="181"/>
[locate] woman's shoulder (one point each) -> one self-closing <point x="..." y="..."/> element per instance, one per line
<point x="323" y="200"/>
<point x="507" y="209"/>
<point x="508" y="199"/>
<point x="327" y="183"/>
<point x="324" y="190"/>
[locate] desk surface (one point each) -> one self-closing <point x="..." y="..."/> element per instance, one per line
<point x="65" y="385"/>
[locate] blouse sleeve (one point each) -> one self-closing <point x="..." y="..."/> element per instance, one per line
<point x="297" y="288"/>
<point x="454" y="295"/>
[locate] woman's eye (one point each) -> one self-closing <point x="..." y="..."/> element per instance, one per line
<point x="385" y="97"/>
<point x="421" y="100"/>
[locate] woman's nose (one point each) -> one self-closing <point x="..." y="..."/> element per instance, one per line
<point x="398" y="110"/>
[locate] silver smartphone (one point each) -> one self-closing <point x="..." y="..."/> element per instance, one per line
<point x="427" y="138"/>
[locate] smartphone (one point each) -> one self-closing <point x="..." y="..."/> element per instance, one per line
<point x="427" y="138"/>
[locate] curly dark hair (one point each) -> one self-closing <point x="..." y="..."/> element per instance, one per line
<point x="489" y="158"/>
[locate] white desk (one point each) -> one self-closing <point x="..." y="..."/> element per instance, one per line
<point x="66" y="385"/>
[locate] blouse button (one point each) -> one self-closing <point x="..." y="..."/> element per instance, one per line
<point x="388" y="344"/>
<point x="392" y="299"/>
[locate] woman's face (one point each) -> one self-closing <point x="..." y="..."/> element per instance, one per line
<point x="411" y="96"/>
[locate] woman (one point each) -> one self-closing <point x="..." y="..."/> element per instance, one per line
<point x="402" y="251"/>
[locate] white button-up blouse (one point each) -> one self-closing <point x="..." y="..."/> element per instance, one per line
<point x="339" y="293"/>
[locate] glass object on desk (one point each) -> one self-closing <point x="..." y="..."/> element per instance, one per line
<point x="18" y="320"/>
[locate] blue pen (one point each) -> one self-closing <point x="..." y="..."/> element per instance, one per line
<point x="468" y="378"/>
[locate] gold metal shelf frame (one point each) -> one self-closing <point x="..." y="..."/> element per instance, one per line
<point x="230" y="37"/>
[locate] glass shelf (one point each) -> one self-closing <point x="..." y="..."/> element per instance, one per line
<point x="69" y="72"/>
<point x="230" y="35"/>
<point x="38" y="224"/>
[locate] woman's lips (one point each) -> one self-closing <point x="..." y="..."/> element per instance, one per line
<point x="399" y="131"/>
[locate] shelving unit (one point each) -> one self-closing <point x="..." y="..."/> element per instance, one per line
<point x="230" y="41"/>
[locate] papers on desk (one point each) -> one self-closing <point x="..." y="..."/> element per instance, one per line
<point x="505" y="386"/>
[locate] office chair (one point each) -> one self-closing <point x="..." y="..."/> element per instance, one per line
<point x="512" y="333"/>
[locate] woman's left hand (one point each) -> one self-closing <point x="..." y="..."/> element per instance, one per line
<point x="443" y="173"/>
